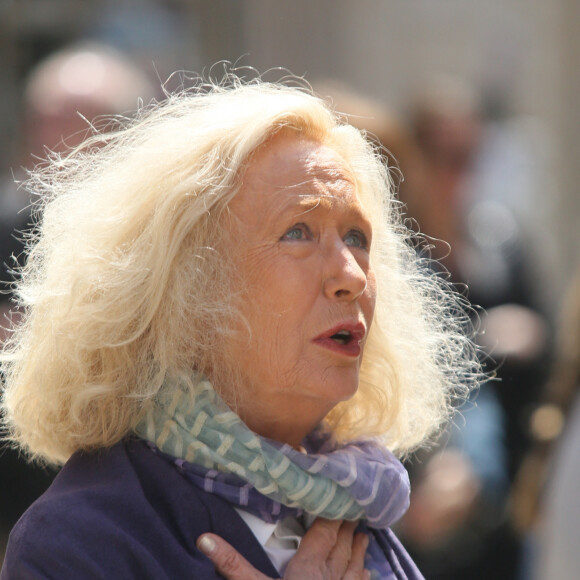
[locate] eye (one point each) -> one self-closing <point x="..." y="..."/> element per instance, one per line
<point x="356" y="239"/>
<point x="298" y="232"/>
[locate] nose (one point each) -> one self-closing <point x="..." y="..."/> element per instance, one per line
<point x="343" y="277"/>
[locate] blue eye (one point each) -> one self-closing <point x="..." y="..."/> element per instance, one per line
<point x="297" y="233"/>
<point x="356" y="239"/>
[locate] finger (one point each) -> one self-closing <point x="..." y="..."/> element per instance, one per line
<point x="355" y="568"/>
<point x="340" y="555"/>
<point x="227" y="560"/>
<point x="310" y="560"/>
<point x="319" y="540"/>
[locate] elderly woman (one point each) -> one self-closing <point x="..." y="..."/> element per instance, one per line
<point x="226" y="338"/>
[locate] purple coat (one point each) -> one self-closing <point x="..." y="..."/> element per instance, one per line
<point x="125" y="513"/>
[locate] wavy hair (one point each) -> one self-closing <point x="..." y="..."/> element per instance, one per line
<point x="124" y="283"/>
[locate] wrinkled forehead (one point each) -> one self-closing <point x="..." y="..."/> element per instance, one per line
<point x="313" y="171"/>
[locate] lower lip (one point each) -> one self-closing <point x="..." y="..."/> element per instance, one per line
<point x="352" y="349"/>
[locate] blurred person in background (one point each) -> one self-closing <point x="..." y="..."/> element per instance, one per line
<point x="482" y="244"/>
<point x="457" y="525"/>
<point x="545" y="499"/>
<point x="63" y="94"/>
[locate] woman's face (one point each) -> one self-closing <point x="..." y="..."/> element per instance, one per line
<point x="301" y="239"/>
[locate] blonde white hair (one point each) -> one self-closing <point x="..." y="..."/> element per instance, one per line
<point x="124" y="284"/>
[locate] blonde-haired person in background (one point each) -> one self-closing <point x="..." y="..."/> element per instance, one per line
<point x="225" y="330"/>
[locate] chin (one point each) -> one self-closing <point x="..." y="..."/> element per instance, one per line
<point x="340" y="391"/>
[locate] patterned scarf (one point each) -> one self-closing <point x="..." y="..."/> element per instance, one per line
<point x="359" y="480"/>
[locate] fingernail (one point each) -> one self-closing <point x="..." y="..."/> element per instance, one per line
<point x="206" y="544"/>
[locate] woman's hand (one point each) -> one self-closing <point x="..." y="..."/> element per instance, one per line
<point x="329" y="551"/>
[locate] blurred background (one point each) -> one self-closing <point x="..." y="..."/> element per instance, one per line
<point x="476" y="106"/>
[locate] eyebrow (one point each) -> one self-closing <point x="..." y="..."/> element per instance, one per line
<point x="310" y="202"/>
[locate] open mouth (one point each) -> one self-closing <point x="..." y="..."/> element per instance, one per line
<point x="342" y="337"/>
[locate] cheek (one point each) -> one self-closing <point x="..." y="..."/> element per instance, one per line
<point x="276" y="337"/>
<point x="277" y="347"/>
<point x="370" y="296"/>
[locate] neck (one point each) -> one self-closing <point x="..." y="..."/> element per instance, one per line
<point x="285" y="417"/>
<point x="279" y="430"/>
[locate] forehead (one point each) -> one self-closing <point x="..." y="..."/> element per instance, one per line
<point x="289" y="171"/>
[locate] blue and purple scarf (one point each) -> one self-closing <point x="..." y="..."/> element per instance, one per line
<point x="215" y="450"/>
